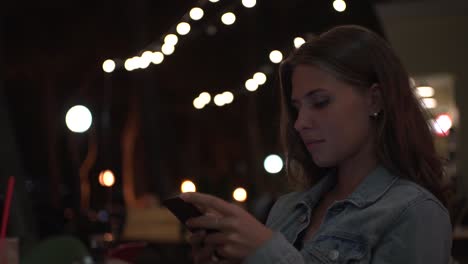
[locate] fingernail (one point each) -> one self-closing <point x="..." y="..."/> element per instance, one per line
<point x="184" y="195"/>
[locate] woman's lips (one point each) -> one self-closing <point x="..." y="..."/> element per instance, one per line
<point x="313" y="143"/>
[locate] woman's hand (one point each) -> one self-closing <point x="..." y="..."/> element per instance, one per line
<point x="201" y="253"/>
<point x="240" y="234"/>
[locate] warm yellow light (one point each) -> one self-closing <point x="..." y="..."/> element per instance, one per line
<point x="442" y="124"/>
<point x="429" y="103"/>
<point x="425" y="91"/>
<point x="129" y="64"/>
<point x="298" y="42"/>
<point x="78" y="119"/>
<point x="273" y="164"/>
<point x="240" y="194"/>
<point x="228" y="18"/>
<point x="108" y="66"/>
<point x="251" y="85"/>
<point x="171" y="39"/>
<point x="133" y="63"/>
<point x="198" y="103"/>
<point x="205" y="97"/>
<point x="196" y="13"/>
<point x="157" y="57"/>
<point x="260" y="78"/>
<point x="228" y="97"/>
<point x="106" y="178"/>
<point x="145" y="59"/>
<point x="167" y="49"/>
<point x="219" y="100"/>
<point x="249" y="3"/>
<point x="339" y="5"/>
<point x="276" y="56"/>
<point x="188" y="186"/>
<point x="183" y="28"/>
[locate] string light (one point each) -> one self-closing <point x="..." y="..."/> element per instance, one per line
<point x="157" y="58"/>
<point x="251" y="85"/>
<point x="171" y="39"/>
<point x="298" y="42"/>
<point x="183" y="28"/>
<point x="196" y="13"/>
<point x="260" y="78"/>
<point x="108" y="66"/>
<point x="228" y="97"/>
<point x="339" y="5"/>
<point x="276" y="56"/>
<point x="228" y="18"/>
<point x="219" y="100"/>
<point x="249" y="3"/>
<point x="205" y="98"/>
<point x="198" y="103"/>
<point x="167" y="49"/>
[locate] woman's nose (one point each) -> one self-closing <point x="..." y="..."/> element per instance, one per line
<point x="299" y="124"/>
<point x="303" y="121"/>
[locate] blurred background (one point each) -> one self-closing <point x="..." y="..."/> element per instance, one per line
<point x="109" y="107"/>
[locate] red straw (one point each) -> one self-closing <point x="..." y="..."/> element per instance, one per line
<point x="6" y="207"/>
<point x="6" y="213"/>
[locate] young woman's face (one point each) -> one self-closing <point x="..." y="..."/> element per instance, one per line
<point x="332" y="116"/>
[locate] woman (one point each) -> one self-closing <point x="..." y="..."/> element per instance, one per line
<point x="359" y="146"/>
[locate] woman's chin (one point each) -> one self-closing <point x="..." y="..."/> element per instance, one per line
<point x="323" y="163"/>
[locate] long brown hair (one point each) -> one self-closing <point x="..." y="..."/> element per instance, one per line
<point x="359" y="57"/>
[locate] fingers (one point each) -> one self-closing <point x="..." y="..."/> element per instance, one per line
<point x="196" y="240"/>
<point x="203" y="255"/>
<point x="209" y="201"/>
<point x="207" y="222"/>
<point x="217" y="238"/>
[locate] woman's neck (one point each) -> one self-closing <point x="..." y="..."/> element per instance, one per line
<point x="352" y="172"/>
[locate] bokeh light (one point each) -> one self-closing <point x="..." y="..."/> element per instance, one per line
<point x="78" y="119"/>
<point x="276" y="56"/>
<point x="240" y="194"/>
<point x="273" y="164"/>
<point x="228" y="18"/>
<point x="183" y="28"/>
<point x="339" y="5"/>
<point x="107" y="178"/>
<point x="108" y="66"/>
<point x="188" y="186"/>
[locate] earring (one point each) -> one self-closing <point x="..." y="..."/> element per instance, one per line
<point x="375" y="114"/>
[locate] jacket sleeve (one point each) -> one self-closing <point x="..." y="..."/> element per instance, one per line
<point x="422" y="234"/>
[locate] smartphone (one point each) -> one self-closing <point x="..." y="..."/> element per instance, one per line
<point x="183" y="210"/>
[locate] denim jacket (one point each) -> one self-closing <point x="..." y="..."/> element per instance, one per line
<point x="387" y="219"/>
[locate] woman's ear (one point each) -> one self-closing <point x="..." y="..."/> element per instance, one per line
<point x="374" y="100"/>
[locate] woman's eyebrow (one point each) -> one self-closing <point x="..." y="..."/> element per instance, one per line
<point x="309" y="94"/>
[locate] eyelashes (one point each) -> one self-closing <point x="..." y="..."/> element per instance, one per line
<point x="321" y="104"/>
<point x="313" y="103"/>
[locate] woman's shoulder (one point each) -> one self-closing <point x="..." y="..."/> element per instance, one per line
<point x="407" y="193"/>
<point x="284" y="205"/>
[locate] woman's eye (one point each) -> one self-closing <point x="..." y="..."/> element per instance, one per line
<point x="321" y="103"/>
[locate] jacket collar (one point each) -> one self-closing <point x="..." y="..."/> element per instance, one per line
<point x="368" y="191"/>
